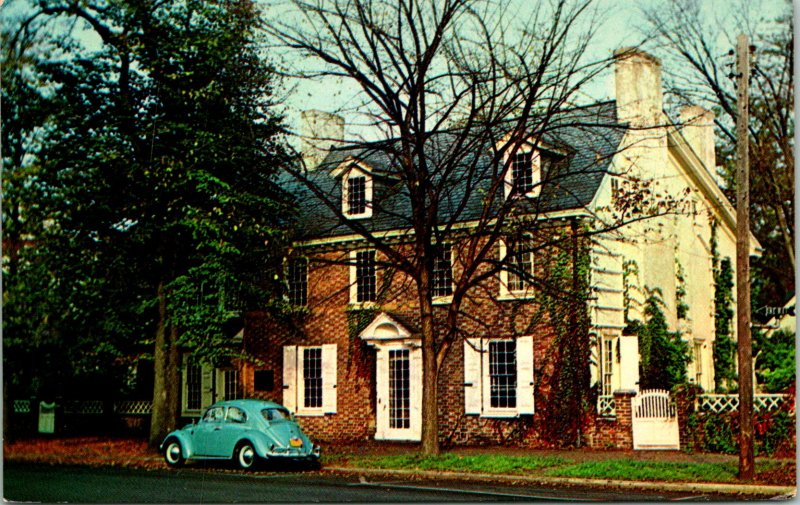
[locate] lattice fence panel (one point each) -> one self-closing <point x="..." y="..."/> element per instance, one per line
<point x="606" y="406"/>
<point x="22" y="406"/>
<point x="89" y="407"/>
<point x="133" y="407"/>
<point x="730" y="403"/>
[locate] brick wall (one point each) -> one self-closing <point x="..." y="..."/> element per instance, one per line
<point x="614" y="432"/>
<point x="327" y="322"/>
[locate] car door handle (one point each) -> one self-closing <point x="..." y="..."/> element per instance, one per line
<point x="218" y="428"/>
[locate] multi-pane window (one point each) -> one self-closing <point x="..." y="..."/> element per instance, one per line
<point x="503" y="374"/>
<point x="312" y="377"/>
<point x="194" y="375"/>
<point x="309" y="379"/>
<point x="365" y="276"/>
<point x="443" y="271"/>
<point x="231" y="384"/>
<point x="399" y="389"/>
<point x="298" y="281"/>
<point x="522" y="172"/>
<point x="698" y="363"/>
<point x="356" y="195"/>
<point x="519" y="258"/>
<point x="608" y="365"/>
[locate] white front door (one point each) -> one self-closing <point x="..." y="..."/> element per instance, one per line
<point x="399" y="393"/>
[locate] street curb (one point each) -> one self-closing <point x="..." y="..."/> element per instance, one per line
<point x="700" y="487"/>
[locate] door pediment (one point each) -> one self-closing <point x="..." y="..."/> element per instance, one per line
<point x="384" y="328"/>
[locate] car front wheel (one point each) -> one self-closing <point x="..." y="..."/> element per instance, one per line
<point x="245" y="456"/>
<point x="173" y="453"/>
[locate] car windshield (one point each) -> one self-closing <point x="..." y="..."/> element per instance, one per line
<point x="276" y="415"/>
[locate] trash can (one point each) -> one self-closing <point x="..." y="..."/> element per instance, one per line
<point x="47" y="417"/>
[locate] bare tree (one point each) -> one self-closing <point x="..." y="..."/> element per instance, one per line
<point x="458" y="88"/>
<point x="702" y="73"/>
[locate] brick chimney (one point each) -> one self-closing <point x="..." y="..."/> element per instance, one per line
<point x="638" y="87"/>
<point x="698" y="130"/>
<point x="319" y="132"/>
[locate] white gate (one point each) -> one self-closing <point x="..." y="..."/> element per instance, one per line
<point x="655" y="421"/>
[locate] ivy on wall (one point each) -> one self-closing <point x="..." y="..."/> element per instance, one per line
<point x="724" y="346"/>
<point x="664" y="355"/>
<point x="357" y="321"/>
<point x="566" y="304"/>
<point x="681" y="307"/>
<point x="630" y="274"/>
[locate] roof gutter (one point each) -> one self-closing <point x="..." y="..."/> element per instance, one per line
<point x="407" y="232"/>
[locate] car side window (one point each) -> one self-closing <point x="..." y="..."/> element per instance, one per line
<point x="236" y="415"/>
<point x="213" y="415"/>
<point x="276" y="414"/>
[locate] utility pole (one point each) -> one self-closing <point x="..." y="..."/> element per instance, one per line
<point x="746" y="448"/>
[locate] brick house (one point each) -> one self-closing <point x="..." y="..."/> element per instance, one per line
<point x="349" y="362"/>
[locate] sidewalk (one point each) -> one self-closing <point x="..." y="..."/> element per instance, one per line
<point x="125" y="452"/>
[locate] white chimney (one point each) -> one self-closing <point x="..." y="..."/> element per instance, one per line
<point x="638" y="87"/>
<point x="319" y="132"/>
<point x="698" y="130"/>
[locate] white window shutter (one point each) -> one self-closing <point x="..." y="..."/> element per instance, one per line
<point x="368" y="194"/>
<point x="536" y="170"/>
<point x="525" y="375"/>
<point x="290" y="377"/>
<point x="353" y="277"/>
<point x="416" y="373"/>
<point x="629" y="362"/>
<point x="329" y="364"/>
<point x="472" y="376"/>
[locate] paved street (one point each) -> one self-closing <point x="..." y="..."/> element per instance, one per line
<point x="40" y="483"/>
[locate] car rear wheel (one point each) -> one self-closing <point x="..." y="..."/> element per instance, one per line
<point x="173" y="453"/>
<point x="245" y="456"/>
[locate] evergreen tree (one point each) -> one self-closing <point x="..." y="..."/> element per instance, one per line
<point x="157" y="179"/>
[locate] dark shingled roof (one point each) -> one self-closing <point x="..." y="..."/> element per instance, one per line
<point x="581" y="144"/>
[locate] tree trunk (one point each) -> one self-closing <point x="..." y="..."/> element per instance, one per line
<point x="166" y="384"/>
<point x="430" y="374"/>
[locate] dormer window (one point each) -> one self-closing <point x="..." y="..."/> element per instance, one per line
<point x="356" y="193"/>
<point x="524" y="176"/>
<point x="522" y="173"/>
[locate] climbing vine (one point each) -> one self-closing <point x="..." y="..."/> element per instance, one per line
<point x="724" y="346"/>
<point x="664" y="355"/>
<point x="566" y="304"/>
<point x="681" y="307"/>
<point x="629" y="270"/>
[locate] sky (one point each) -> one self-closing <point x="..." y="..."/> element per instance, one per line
<point x="618" y="26"/>
<point x="613" y="33"/>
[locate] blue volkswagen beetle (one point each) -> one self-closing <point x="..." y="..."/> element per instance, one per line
<point x="243" y="430"/>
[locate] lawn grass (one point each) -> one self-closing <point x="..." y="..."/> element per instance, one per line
<point x="620" y="469"/>
<point x="557" y="466"/>
<point x="457" y="463"/>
